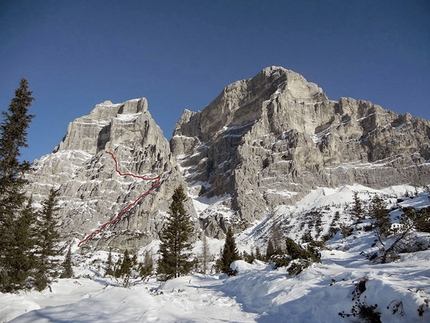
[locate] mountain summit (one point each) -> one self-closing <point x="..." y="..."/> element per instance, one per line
<point x="262" y="143"/>
<point x="269" y="140"/>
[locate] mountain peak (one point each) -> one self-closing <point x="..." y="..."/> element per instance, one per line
<point x="262" y="143"/>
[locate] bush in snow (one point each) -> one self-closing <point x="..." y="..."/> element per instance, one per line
<point x="297" y="258"/>
<point x="366" y="313"/>
<point x="406" y="238"/>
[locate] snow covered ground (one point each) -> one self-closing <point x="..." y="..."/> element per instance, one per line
<point x="258" y="293"/>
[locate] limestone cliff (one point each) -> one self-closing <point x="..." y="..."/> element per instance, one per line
<point x="262" y="143"/>
<point x="269" y="140"/>
<point x="92" y="193"/>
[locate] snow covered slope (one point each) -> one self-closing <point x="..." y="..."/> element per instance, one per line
<point x="259" y="293"/>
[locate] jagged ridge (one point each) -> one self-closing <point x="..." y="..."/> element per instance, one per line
<point x="269" y="140"/>
<point x="262" y="143"/>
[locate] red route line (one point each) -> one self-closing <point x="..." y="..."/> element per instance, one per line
<point x="128" y="206"/>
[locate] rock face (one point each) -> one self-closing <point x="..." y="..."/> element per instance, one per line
<point x="92" y="193"/>
<point x="262" y="143"/>
<point x="269" y="140"/>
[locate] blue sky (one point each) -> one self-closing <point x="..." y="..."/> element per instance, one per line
<point x="181" y="54"/>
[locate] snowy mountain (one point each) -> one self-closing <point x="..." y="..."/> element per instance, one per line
<point x="91" y="190"/>
<point x="272" y="157"/>
<point x="266" y="142"/>
<point x="261" y="146"/>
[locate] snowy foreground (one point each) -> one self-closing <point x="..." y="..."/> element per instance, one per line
<point x="257" y="294"/>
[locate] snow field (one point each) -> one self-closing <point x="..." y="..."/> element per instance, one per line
<point x="258" y="293"/>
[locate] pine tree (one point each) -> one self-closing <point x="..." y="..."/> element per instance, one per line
<point x="126" y="267"/>
<point x="249" y="258"/>
<point x="175" y="247"/>
<point x="277" y="238"/>
<point x="13" y="225"/>
<point x="381" y="215"/>
<point x="258" y="254"/>
<point x="357" y="211"/>
<point x="22" y="260"/>
<point x="270" y="250"/>
<point x="67" y="265"/>
<point x="117" y="268"/>
<point x="146" y="268"/>
<point x="109" y="270"/>
<point x="205" y="253"/>
<point x="13" y="130"/>
<point x="47" y="241"/>
<point x="229" y="253"/>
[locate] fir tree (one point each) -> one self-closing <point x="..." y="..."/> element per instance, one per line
<point x="47" y="241"/>
<point x="13" y="225"/>
<point x="175" y="247"/>
<point x="357" y="211"/>
<point x="117" y="268"/>
<point x="277" y="238"/>
<point x="13" y="130"/>
<point x="67" y="265"/>
<point x="146" y="268"/>
<point x="229" y="253"/>
<point x="205" y="253"/>
<point x="249" y="258"/>
<point x="381" y="215"/>
<point x="270" y="250"/>
<point x="109" y="271"/>
<point x="22" y="260"/>
<point x="258" y="254"/>
<point x="125" y="268"/>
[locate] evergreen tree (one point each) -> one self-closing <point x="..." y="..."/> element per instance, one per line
<point x="229" y="253"/>
<point x="13" y="225"/>
<point x="381" y="215"/>
<point x="277" y="238"/>
<point x="357" y="211"/>
<point x="67" y="265"/>
<point x="146" y="268"/>
<point x="47" y="241"/>
<point x="13" y="130"/>
<point x="109" y="271"/>
<point x="249" y="258"/>
<point x="125" y="268"/>
<point x="270" y="250"/>
<point x="258" y="254"/>
<point x="175" y="247"/>
<point x="205" y="254"/>
<point x="21" y="260"/>
<point x="117" y="268"/>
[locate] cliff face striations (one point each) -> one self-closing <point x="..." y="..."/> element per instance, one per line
<point x="269" y="140"/>
<point x="91" y="191"/>
<point x="262" y="143"/>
